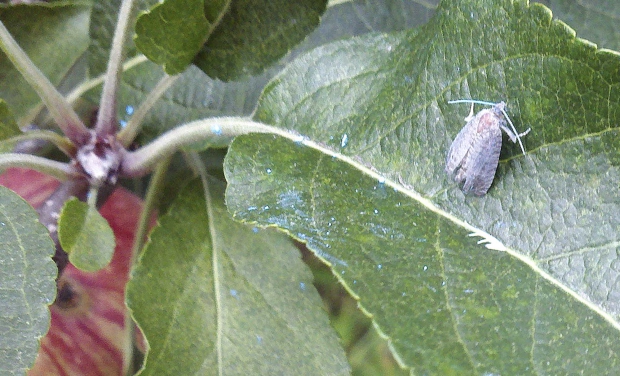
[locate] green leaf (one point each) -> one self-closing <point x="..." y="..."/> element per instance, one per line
<point x="27" y="283"/>
<point x="254" y="34"/>
<point x="8" y="128"/>
<point x="227" y="39"/>
<point x="364" y="185"/>
<point x="103" y="19"/>
<point x="172" y="33"/>
<point x="195" y="95"/>
<point x="53" y="35"/>
<point x="351" y="18"/>
<point x="85" y="235"/>
<point x="596" y="20"/>
<point x="212" y="294"/>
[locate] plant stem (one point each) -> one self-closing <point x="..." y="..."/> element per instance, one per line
<point x="140" y="162"/>
<point x="128" y="134"/>
<point x="152" y="196"/>
<point x="197" y="164"/>
<point x="106" y="117"/>
<point x="43" y="135"/>
<point x="91" y="198"/>
<point x="59" y="170"/>
<point x="96" y="81"/>
<point x="64" y="115"/>
<point x="78" y="91"/>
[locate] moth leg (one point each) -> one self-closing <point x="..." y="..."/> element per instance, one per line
<point x="511" y="134"/>
<point x="471" y="114"/>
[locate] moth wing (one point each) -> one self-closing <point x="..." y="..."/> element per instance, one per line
<point x="482" y="160"/>
<point x="460" y="146"/>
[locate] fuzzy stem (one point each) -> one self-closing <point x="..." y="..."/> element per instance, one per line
<point x="92" y="83"/>
<point x="150" y="201"/>
<point x="140" y="162"/>
<point x="91" y="198"/>
<point x="106" y="117"/>
<point x="79" y="90"/>
<point x="59" y="170"/>
<point x="64" y="115"/>
<point x="128" y="134"/>
<point x="43" y="135"/>
<point x="215" y="253"/>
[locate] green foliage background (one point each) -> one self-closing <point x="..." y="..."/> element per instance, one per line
<point x="521" y="281"/>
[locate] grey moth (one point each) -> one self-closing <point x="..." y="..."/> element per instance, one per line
<point x="474" y="154"/>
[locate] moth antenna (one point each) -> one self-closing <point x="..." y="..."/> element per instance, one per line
<point x="472" y="101"/>
<point x="517" y="135"/>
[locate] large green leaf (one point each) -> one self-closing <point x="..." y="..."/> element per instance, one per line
<point x="196" y="96"/>
<point x="250" y="35"/>
<point x="172" y="33"/>
<point x="594" y="20"/>
<point x="27" y="283"/>
<point x="254" y="34"/>
<point x="212" y="294"/>
<point x="364" y="185"/>
<point x="53" y="35"/>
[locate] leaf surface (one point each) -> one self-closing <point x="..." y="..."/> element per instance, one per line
<point x="8" y="128"/>
<point x="254" y="34"/>
<point x="85" y="235"/>
<point x="172" y="33"/>
<point x="212" y="294"/>
<point x="594" y="20"/>
<point x="27" y="283"/>
<point x="364" y="185"/>
<point x="250" y="35"/>
<point x="194" y="95"/>
<point x="53" y="35"/>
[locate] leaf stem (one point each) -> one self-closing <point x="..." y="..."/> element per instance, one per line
<point x="106" y="117"/>
<point x="150" y="200"/>
<point x="59" y="170"/>
<point x="91" y="198"/>
<point x="79" y="90"/>
<point x="92" y="83"/>
<point x="199" y="166"/>
<point x="139" y="162"/>
<point x="61" y="142"/>
<point x="64" y="115"/>
<point x="128" y="134"/>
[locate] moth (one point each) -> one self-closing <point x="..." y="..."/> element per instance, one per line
<point x="474" y="154"/>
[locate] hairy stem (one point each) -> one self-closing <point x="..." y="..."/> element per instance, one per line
<point x="92" y="83"/>
<point x="197" y="164"/>
<point x="150" y="202"/>
<point x="106" y="117"/>
<point x="141" y="161"/>
<point x="128" y="134"/>
<point x="59" y="170"/>
<point x="62" y="113"/>
<point x="42" y="135"/>
<point x="79" y="90"/>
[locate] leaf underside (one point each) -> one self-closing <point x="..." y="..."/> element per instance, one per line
<point x="212" y="294"/>
<point x="27" y="283"/>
